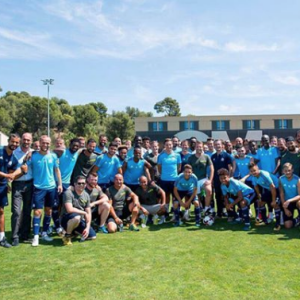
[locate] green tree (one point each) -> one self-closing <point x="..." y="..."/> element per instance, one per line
<point x="101" y="109"/>
<point x="168" y="106"/>
<point x="120" y="124"/>
<point x="135" y="112"/>
<point x="86" y="120"/>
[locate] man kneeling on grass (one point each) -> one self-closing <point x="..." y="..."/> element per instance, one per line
<point x="237" y="193"/>
<point x="76" y="212"/>
<point x="99" y="202"/>
<point x="123" y="204"/>
<point x="152" y="199"/>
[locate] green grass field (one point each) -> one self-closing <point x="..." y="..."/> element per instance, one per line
<point x="159" y="262"/>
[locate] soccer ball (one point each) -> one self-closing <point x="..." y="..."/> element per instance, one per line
<point x="208" y="220"/>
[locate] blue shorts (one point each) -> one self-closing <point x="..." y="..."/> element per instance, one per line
<point x="182" y="194"/>
<point x="80" y="228"/>
<point x="167" y="186"/>
<point x="249" y="198"/>
<point x="266" y="195"/>
<point x="3" y="195"/>
<point x="44" y="198"/>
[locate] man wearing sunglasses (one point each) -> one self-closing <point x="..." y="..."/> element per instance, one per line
<point x="76" y="212"/>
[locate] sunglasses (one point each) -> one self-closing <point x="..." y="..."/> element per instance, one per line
<point x="80" y="183"/>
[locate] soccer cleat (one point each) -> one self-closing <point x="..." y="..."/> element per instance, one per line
<point x="177" y="224"/>
<point x="60" y="231"/>
<point x="67" y="240"/>
<point x="143" y="220"/>
<point x="297" y="222"/>
<point x="247" y="227"/>
<point x="102" y="229"/>
<point x="197" y="224"/>
<point x="46" y="237"/>
<point x="35" y="241"/>
<point x="132" y="227"/>
<point x="15" y="242"/>
<point x="4" y="243"/>
<point x="236" y="221"/>
<point x="162" y="220"/>
<point x="260" y="223"/>
<point x="277" y="228"/>
<point x="50" y="230"/>
<point x="186" y="216"/>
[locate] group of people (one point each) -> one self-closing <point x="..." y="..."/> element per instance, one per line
<point x="89" y="187"/>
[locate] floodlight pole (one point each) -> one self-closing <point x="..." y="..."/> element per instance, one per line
<point x="48" y="82"/>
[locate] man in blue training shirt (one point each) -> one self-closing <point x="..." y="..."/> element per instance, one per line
<point x="107" y="166"/>
<point x="8" y="162"/>
<point x="268" y="156"/>
<point x="169" y="165"/>
<point x="266" y="186"/>
<point x="67" y="160"/>
<point x="238" y="193"/>
<point x="44" y="164"/>
<point x="186" y="186"/>
<point x="289" y="189"/>
<point x="134" y="168"/>
<point x="101" y="148"/>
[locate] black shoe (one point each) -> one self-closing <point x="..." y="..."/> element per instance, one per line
<point x="15" y="242"/>
<point x="4" y="243"/>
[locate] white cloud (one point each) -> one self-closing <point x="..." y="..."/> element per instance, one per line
<point x="250" y="47"/>
<point x="287" y="80"/>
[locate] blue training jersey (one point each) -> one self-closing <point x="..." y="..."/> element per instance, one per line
<point x="183" y="184"/>
<point x="67" y="163"/>
<point x="242" y="166"/>
<point x="134" y="171"/>
<point x="235" y="186"/>
<point x="43" y="167"/>
<point x="7" y="162"/>
<point x="289" y="187"/>
<point x="265" y="179"/>
<point x="169" y="163"/>
<point x="267" y="158"/>
<point x="184" y="159"/>
<point x="108" y="167"/>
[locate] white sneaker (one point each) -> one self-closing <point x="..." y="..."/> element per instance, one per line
<point x="162" y="220"/>
<point x="46" y="237"/>
<point x="143" y="220"/>
<point x="60" y="231"/>
<point x="155" y="219"/>
<point x="35" y="241"/>
<point x="186" y="216"/>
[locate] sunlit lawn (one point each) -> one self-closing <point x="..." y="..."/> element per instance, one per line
<point x="159" y="262"/>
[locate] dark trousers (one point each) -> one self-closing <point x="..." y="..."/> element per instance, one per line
<point x="219" y="197"/>
<point x="21" y="219"/>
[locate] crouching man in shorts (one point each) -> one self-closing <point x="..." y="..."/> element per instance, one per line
<point x="124" y="203"/>
<point x="152" y="199"/>
<point x="76" y="212"/>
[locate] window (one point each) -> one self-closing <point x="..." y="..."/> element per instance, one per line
<point x="158" y="126"/>
<point x="220" y="125"/>
<point x="283" y="124"/>
<point x="251" y="124"/>
<point x="188" y="125"/>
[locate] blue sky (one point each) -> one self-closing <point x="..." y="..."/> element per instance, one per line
<point x="213" y="57"/>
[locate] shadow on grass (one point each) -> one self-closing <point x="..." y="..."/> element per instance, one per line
<point x="223" y="225"/>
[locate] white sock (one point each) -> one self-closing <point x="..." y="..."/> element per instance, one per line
<point x="2" y="235"/>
